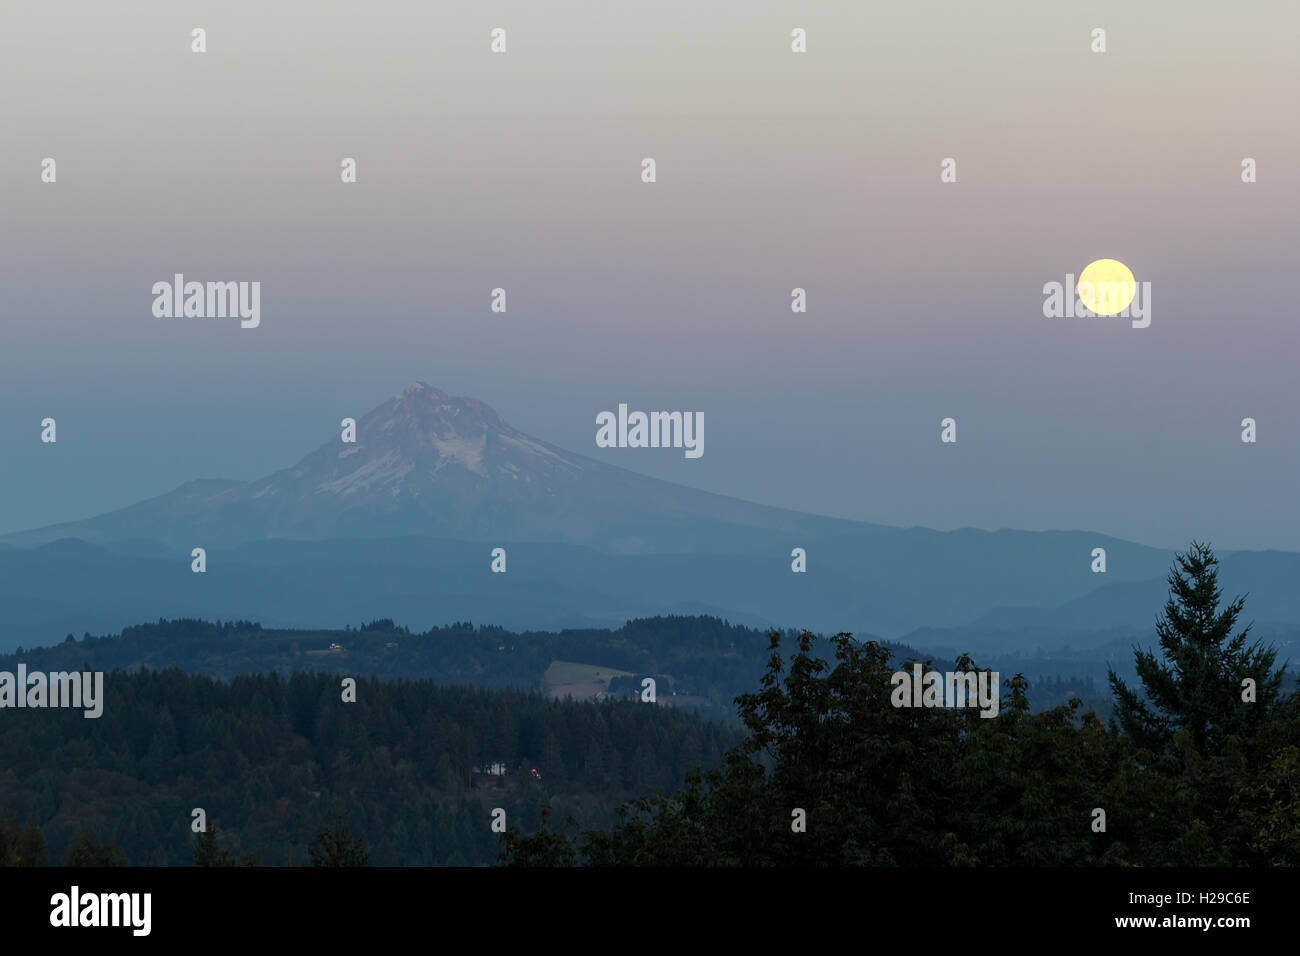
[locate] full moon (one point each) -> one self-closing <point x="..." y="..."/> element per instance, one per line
<point x="1106" y="286"/>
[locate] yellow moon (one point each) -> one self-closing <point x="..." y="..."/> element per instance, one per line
<point x="1106" y="286"/>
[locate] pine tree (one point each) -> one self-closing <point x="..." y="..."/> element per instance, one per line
<point x="85" y="850"/>
<point x="334" y="846"/>
<point x="209" y="852"/>
<point x="30" y="846"/>
<point x="21" y="846"/>
<point x="1198" y="688"/>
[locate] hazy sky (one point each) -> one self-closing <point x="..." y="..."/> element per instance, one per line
<point x="775" y="170"/>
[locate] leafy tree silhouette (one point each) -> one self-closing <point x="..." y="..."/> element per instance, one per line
<point x="543" y="848"/>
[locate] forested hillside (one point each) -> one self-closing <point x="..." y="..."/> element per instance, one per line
<point x="271" y="760"/>
<point x="1199" y="765"/>
<point x="706" y="661"/>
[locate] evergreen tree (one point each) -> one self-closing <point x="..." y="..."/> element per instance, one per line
<point x="21" y="846"/>
<point x="1198" y="686"/>
<point x="85" y="850"/>
<point x="334" y="846"/>
<point x="209" y="852"/>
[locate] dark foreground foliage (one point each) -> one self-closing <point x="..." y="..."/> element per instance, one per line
<point x="1192" y="771"/>
<point x="287" y="773"/>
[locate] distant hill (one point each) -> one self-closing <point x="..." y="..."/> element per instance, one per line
<point x="707" y="659"/>
<point x="1267" y="578"/>
<point x="930" y="580"/>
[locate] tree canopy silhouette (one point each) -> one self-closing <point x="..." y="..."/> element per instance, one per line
<point x="1198" y="686"/>
<point x="833" y="772"/>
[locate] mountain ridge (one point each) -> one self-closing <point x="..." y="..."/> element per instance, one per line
<point x="428" y="463"/>
<point x="403" y="522"/>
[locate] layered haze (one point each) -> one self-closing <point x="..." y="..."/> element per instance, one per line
<point x="775" y="170"/>
<point x="406" y="523"/>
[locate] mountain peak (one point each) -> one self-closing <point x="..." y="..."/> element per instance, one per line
<point x="424" y="462"/>
<point x="416" y="388"/>
<point x="420" y="413"/>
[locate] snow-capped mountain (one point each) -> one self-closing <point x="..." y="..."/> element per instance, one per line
<point x="401" y="523"/>
<point x="428" y="463"/>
